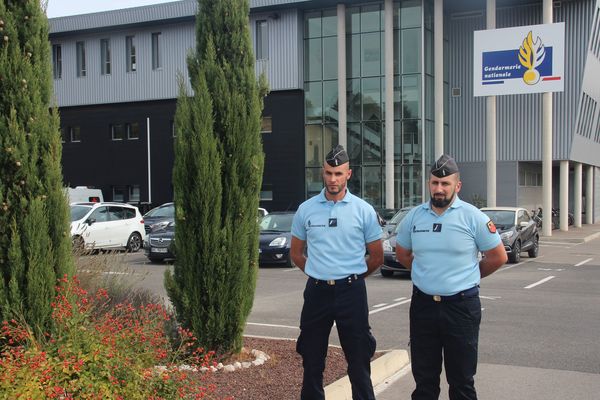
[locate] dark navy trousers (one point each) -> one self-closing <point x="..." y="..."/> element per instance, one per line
<point x="447" y="330"/>
<point x="346" y="304"/>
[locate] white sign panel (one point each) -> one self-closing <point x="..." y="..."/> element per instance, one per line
<point x="525" y="59"/>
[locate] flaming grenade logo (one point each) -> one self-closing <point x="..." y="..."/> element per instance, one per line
<point x="531" y="56"/>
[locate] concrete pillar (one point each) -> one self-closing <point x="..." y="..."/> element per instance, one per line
<point x="564" y="196"/>
<point x="577" y="193"/>
<point x="490" y="122"/>
<point x="389" y="102"/>
<point x="341" y="69"/>
<point x="547" y="144"/>
<point x="438" y="71"/>
<point x="589" y="195"/>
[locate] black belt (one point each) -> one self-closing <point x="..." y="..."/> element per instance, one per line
<point x="332" y="282"/>
<point x="472" y="292"/>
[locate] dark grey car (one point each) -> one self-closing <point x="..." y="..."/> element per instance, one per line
<point x="517" y="230"/>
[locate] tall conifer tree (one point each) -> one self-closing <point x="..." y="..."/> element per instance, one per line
<point x="35" y="247"/>
<point x="217" y="177"/>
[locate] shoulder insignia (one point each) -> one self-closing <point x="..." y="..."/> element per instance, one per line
<point x="491" y="226"/>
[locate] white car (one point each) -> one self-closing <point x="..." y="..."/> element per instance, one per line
<point x="106" y="225"/>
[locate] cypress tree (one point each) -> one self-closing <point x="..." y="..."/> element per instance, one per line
<point x="35" y="247"/>
<point x="216" y="178"/>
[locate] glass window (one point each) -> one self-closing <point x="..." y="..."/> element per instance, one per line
<point x="397" y="52"/>
<point x="411" y="145"/>
<point x="266" y="192"/>
<point x="262" y="40"/>
<point x="313" y="102"/>
<point x="116" y="213"/>
<point x="128" y="213"/>
<point x="330" y="101"/>
<point x="410" y="14"/>
<point x="314" y="181"/>
<point x="173" y="134"/>
<point x="57" y="61"/>
<point x="353" y="19"/>
<point x="314" y="146"/>
<point x="100" y="214"/>
<point x="134" y="193"/>
<point x="412" y="185"/>
<point x="354" y="138"/>
<point x="372" y="179"/>
<point x="266" y="125"/>
<point x="353" y="100"/>
<point x="370" y="18"/>
<point x="105" y="56"/>
<point x="329" y="22"/>
<point x="130" y="53"/>
<point x="117" y="131"/>
<point x="313" y="60"/>
<point x="397" y="98"/>
<point x="372" y="150"/>
<point x="353" y="56"/>
<point x="429" y="97"/>
<point x="312" y="24"/>
<point x="330" y="138"/>
<point x="411" y="51"/>
<point x="118" y="193"/>
<point x="330" y="59"/>
<point x="354" y="184"/>
<point x="156" y="58"/>
<point x="133" y="131"/>
<point x="428" y="52"/>
<point x="75" y="134"/>
<point x="411" y="88"/>
<point x="80" y="46"/>
<point x="370" y="54"/>
<point x="371" y="93"/>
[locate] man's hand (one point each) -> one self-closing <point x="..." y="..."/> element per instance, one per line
<point x="297" y="252"/>
<point x="404" y="257"/>
<point x="375" y="257"/>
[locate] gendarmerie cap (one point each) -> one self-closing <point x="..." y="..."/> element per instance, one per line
<point x="444" y="166"/>
<point x="337" y="156"/>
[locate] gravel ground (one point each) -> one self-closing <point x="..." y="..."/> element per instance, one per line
<point x="280" y="378"/>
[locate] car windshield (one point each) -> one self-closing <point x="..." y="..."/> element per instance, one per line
<point x="167" y="211"/>
<point x="398" y="218"/>
<point x="276" y="222"/>
<point x="78" y="212"/>
<point x="501" y="218"/>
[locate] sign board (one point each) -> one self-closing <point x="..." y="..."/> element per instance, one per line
<point x="524" y="59"/>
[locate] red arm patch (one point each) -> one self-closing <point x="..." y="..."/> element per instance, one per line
<point x="491" y="227"/>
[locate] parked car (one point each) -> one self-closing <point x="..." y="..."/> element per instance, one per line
<point x="262" y="212"/>
<point x="386" y="213"/>
<point x="275" y="238"/>
<point x="159" y="244"/>
<point x="518" y="231"/>
<point x="390" y="225"/>
<point x="390" y="264"/>
<point x="106" y="225"/>
<point x="163" y="215"/>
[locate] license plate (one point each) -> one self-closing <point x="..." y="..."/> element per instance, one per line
<point x="259" y="251"/>
<point x="158" y="250"/>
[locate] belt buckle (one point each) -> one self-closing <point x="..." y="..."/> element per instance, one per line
<point x="437" y="298"/>
<point x="330" y="282"/>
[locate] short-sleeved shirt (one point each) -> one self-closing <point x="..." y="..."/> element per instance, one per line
<point x="445" y="247"/>
<point x="336" y="234"/>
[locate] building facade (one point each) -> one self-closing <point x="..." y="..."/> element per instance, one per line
<point x="363" y="74"/>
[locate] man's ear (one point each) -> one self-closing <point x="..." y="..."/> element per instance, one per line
<point x="349" y="173"/>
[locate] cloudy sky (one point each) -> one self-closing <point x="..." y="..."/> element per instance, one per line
<point x="60" y="8"/>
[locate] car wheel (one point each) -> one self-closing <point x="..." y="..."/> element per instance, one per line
<point x="515" y="255"/>
<point x="533" y="251"/>
<point x="155" y="259"/>
<point x="134" y="243"/>
<point x="386" y="272"/>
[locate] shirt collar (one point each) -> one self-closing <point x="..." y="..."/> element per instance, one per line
<point x="455" y="204"/>
<point x="346" y="199"/>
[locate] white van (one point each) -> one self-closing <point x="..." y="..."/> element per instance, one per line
<point x="84" y="194"/>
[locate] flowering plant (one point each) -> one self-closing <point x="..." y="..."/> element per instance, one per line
<point x="97" y="351"/>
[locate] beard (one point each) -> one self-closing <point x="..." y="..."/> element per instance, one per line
<point x="335" y="189"/>
<point x="441" y="202"/>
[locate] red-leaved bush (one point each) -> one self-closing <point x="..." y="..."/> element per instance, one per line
<point x="101" y="352"/>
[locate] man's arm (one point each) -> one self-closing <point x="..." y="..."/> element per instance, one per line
<point x="297" y="252"/>
<point x="375" y="257"/>
<point x="404" y="256"/>
<point x="492" y="260"/>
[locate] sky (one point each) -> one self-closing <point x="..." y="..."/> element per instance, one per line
<point x="61" y="8"/>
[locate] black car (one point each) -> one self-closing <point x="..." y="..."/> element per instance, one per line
<point x="518" y="231"/>
<point x="390" y="264"/>
<point x="159" y="244"/>
<point x="275" y="239"/>
<point x="162" y="215"/>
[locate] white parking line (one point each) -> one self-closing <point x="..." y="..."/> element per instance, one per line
<point x="583" y="262"/>
<point x="400" y="299"/>
<point x="272" y="325"/>
<point x="388" y="307"/>
<point x="380" y="305"/>
<point x="539" y="282"/>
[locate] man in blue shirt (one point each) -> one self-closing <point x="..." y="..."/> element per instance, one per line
<point x="336" y="228"/>
<point x="439" y="242"/>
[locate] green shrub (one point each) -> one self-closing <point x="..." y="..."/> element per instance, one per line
<point x="100" y="352"/>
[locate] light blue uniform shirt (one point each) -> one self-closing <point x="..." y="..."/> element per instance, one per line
<point x="445" y="246"/>
<point x="336" y="235"/>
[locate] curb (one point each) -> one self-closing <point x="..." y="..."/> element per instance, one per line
<point x="381" y="369"/>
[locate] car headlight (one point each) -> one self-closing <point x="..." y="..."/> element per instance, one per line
<point x="387" y="246"/>
<point x="278" y="242"/>
<point x="506" y="235"/>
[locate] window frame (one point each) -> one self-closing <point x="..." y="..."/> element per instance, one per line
<point x="57" y="61"/>
<point x="105" y="57"/>
<point x="72" y="130"/>
<point x="80" y="59"/>
<point x="262" y="39"/>
<point x="155" y="51"/>
<point x="113" y="129"/>
<point x="130" y="55"/>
